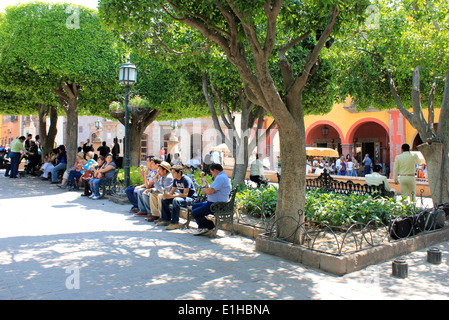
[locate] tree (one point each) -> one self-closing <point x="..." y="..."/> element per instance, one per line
<point x="249" y="33"/>
<point x="401" y="62"/>
<point x="69" y="50"/>
<point x="163" y="91"/>
<point x="24" y="92"/>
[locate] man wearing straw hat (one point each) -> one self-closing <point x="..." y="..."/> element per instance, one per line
<point x="153" y="196"/>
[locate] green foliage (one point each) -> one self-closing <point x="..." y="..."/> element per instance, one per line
<point x="134" y="175"/>
<point x="197" y="178"/>
<point x="257" y="201"/>
<point x="328" y="207"/>
<point x="338" y="209"/>
<point x="41" y="46"/>
<point x="407" y="34"/>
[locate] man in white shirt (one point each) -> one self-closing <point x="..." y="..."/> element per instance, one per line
<point x="308" y="168"/>
<point x="376" y="179"/>
<point x="320" y="169"/>
<point x="256" y="173"/>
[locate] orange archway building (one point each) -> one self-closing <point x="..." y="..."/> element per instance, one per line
<point x="379" y="133"/>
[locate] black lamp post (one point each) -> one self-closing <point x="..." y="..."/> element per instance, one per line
<point x="127" y="77"/>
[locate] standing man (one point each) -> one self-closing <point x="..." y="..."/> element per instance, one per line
<point x="28" y="141"/>
<point x="181" y="194"/>
<point x="115" y="151"/>
<point x="15" y="154"/>
<point x="218" y="191"/>
<point x="367" y="162"/>
<point x="104" y="150"/>
<point x="87" y="146"/>
<point x="405" y="166"/>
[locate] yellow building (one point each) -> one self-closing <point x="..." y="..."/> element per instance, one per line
<point x="377" y="133"/>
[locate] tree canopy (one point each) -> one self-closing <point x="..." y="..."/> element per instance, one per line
<point x="402" y="36"/>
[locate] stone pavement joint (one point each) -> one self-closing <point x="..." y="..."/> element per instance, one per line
<point x="57" y="245"/>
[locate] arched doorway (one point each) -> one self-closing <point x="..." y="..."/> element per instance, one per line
<point x="324" y="135"/>
<point x="372" y="138"/>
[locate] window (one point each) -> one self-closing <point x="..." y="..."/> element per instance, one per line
<point x="143" y="147"/>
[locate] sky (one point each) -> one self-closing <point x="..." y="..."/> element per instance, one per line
<point x="87" y="3"/>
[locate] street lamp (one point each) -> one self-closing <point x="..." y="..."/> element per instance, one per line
<point x="127" y="77"/>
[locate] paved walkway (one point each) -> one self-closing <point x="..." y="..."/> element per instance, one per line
<point x="58" y="245"/>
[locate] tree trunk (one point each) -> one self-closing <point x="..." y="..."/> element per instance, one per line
<point x="260" y="88"/>
<point x="241" y="156"/>
<point x="139" y="121"/>
<point x="238" y="141"/>
<point x="135" y="135"/>
<point x="72" y="132"/>
<point x="47" y="137"/>
<point x="291" y="193"/>
<point x="437" y="171"/>
<point x="68" y="100"/>
<point x="436" y="146"/>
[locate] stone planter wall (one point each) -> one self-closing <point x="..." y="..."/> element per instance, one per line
<point x="344" y="264"/>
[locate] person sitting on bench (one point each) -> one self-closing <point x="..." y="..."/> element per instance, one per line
<point x="218" y="192"/>
<point x="376" y="179"/>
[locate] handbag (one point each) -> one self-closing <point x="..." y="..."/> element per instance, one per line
<point x="87" y="174"/>
<point x="402" y="227"/>
<point x="430" y="219"/>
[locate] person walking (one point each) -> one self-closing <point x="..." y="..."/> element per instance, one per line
<point x="15" y="155"/>
<point x="405" y="167"/>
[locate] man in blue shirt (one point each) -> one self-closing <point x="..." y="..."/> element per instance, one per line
<point x="367" y="162"/>
<point x="181" y="194"/>
<point x="218" y="191"/>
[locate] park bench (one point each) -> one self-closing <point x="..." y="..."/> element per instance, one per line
<point x="224" y="213"/>
<point x="108" y="186"/>
<point x="326" y="183"/>
<point x="188" y="209"/>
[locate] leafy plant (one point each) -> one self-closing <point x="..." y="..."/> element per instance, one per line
<point x="116" y="106"/>
<point x="134" y="176"/>
<point x="328" y="207"/>
<point x="197" y="178"/>
<point x="138" y="102"/>
<point x="257" y="201"/>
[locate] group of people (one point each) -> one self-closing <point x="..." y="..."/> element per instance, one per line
<point x="343" y="166"/>
<point x="85" y="169"/>
<point x="22" y="147"/>
<point x="166" y="184"/>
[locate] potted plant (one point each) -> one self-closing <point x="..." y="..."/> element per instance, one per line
<point x="138" y="104"/>
<point x="116" y="109"/>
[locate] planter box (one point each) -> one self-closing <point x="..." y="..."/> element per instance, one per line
<point x="344" y="264"/>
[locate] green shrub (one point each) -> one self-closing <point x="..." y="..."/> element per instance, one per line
<point x="256" y="201"/>
<point x="197" y="178"/>
<point x="328" y="207"/>
<point x="134" y="176"/>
